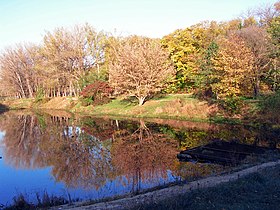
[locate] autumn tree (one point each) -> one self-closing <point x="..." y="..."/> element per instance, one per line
<point x="257" y="40"/>
<point x="72" y="58"/>
<point x="190" y="50"/>
<point x="66" y="61"/>
<point x="184" y="53"/>
<point x="64" y="54"/>
<point x="274" y="71"/>
<point x="98" y="93"/>
<point x="138" y="67"/>
<point x="233" y="68"/>
<point x="18" y="74"/>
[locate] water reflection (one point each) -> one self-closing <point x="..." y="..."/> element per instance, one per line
<point x="88" y="153"/>
<point x="143" y="154"/>
<point x="76" y="158"/>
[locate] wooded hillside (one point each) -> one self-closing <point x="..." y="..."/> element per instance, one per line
<point x="219" y="60"/>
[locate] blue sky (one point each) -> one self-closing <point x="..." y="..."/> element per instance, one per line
<point x="28" y="20"/>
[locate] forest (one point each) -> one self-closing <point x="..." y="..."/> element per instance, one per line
<point x="223" y="61"/>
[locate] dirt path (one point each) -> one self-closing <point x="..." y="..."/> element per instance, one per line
<point x="166" y="193"/>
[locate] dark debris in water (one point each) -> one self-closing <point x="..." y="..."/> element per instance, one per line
<point x="221" y="152"/>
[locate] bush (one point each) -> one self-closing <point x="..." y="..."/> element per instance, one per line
<point x="270" y="107"/>
<point x="39" y="96"/>
<point x="231" y="104"/>
<point x="97" y="93"/>
<point x="272" y="102"/>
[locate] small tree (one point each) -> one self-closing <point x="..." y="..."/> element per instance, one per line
<point x="99" y="92"/>
<point x="138" y="66"/>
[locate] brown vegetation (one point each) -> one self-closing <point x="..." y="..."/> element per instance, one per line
<point x="138" y="67"/>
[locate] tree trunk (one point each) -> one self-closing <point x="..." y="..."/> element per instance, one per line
<point x="257" y="88"/>
<point x="141" y="100"/>
<point x="257" y="82"/>
<point x="29" y="88"/>
<point x="21" y="85"/>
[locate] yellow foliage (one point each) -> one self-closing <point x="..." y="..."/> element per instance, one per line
<point x="233" y="68"/>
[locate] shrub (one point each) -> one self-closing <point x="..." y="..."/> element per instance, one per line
<point x="232" y="105"/>
<point x="270" y="107"/>
<point x="39" y="96"/>
<point x="97" y="93"/>
<point x="272" y="102"/>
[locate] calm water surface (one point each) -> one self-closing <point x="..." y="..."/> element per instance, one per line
<point x="91" y="158"/>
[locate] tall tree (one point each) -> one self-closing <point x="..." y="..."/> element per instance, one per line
<point x="233" y="68"/>
<point x="17" y="70"/>
<point x="70" y="57"/>
<point x="257" y="40"/>
<point x="138" y="67"/>
<point x="184" y="53"/>
<point x="274" y="72"/>
<point x="63" y="52"/>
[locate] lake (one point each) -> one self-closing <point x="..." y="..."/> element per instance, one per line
<point x="60" y="156"/>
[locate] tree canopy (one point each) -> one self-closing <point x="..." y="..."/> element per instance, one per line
<point x="236" y="58"/>
<point x="138" y="67"/>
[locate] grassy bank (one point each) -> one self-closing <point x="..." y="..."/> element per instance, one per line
<point x="184" y="107"/>
<point x="175" y="106"/>
<point x="256" y="191"/>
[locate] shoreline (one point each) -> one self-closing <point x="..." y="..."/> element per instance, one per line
<point x="169" y="192"/>
<point x="180" y="107"/>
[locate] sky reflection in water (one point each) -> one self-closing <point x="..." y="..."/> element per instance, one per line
<point x="93" y="158"/>
<point x="57" y="156"/>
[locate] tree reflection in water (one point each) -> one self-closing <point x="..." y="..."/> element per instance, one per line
<point x="22" y="141"/>
<point x="76" y="158"/>
<point x="143" y="155"/>
<point x="86" y="152"/>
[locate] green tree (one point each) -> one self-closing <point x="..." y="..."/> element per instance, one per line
<point x="190" y="51"/>
<point x="184" y="53"/>
<point x="273" y="76"/>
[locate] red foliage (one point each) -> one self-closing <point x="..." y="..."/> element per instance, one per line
<point x="99" y="91"/>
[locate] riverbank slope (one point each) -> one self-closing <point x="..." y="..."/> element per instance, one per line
<point x="252" y="188"/>
<point x="176" y="106"/>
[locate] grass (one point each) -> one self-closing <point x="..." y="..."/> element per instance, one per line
<point x="24" y="103"/>
<point x="177" y="106"/>
<point x="172" y="106"/>
<point x="256" y="191"/>
<point x="44" y="201"/>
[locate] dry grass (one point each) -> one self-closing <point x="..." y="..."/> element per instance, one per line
<point x="18" y="103"/>
<point x="60" y="103"/>
<point x="188" y="109"/>
<point x="178" y="106"/>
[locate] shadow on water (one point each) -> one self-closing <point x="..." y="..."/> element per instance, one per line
<point x="225" y="153"/>
<point x="3" y="108"/>
<point x="112" y="157"/>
